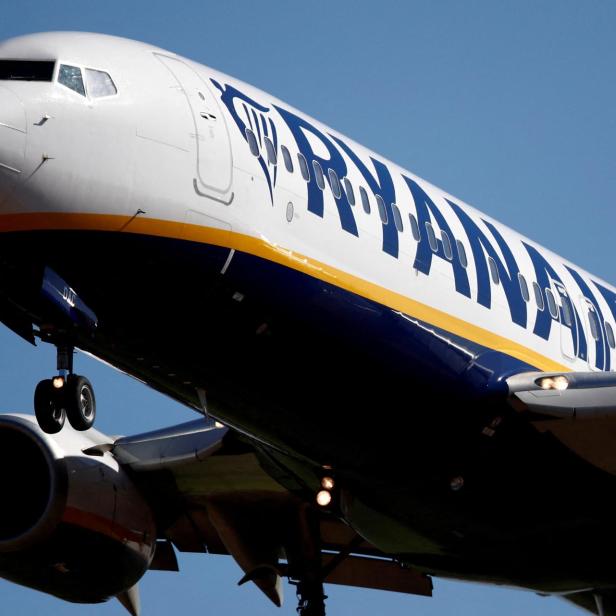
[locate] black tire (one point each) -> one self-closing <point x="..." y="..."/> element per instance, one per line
<point x="80" y="402"/>
<point x="49" y="407"/>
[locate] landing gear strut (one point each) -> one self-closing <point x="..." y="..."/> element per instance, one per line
<point x="304" y="555"/>
<point x="66" y="395"/>
<point x="311" y="599"/>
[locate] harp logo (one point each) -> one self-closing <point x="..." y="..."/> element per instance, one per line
<point x="248" y="113"/>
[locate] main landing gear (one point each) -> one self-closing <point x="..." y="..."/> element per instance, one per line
<point x="305" y="568"/>
<point x="66" y="395"/>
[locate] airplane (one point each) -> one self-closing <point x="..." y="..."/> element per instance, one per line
<point x="393" y="386"/>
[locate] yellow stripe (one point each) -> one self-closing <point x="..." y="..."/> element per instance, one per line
<point x="272" y="252"/>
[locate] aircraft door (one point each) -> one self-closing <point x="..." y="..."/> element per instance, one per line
<point x="213" y="146"/>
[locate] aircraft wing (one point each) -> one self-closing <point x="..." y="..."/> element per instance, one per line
<point x="566" y="395"/>
<point x="211" y="494"/>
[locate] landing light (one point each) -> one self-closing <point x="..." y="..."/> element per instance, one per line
<point x="553" y="382"/>
<point x="457" y="483"/>
<point x="58" y="382"/>
<point x="324" y="498"/>
<point x="327" y="483"/>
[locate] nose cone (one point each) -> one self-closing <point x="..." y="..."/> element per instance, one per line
<point x="13" y="130"/>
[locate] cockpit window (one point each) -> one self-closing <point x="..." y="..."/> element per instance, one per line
<point x="99" y="84"/>
<point x="26" y="70"/>
<point x="70" y="76"/>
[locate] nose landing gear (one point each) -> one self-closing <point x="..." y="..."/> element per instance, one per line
<point x="65" y="396"/>
<point x="48" y="407"/>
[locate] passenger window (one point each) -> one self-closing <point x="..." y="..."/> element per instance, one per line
<point x="348" y="189"/>
<point x="286" y="157"/>
<point x="318" y="174"/>
<point x="100" y="84"/>
<point x="446" y="245"/>
<point x="493" y="270"/>
<point x="594" y="323"/>
<point x="610" y="335"/>
<point x="462" y="254"/>
<point x="523" y="287"/>
<point x="397" y="218"/>
<point x="538" y="296"/>
<point x="252" y="142"/>
<point x="431" y="237"/>
<point x="70" y="76"/>
<point x="551" y="303"/>
<point x="334" y="182"/>
<point x="382" y="211"/>
<point x="414" y="228"/>
<point x="271" y="151"/>
<point x="365" y="202"/>
<point x="567" y="316"/>
<point x="303" y="166"/>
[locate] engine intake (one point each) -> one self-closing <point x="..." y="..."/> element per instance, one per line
<point x="71" y="525"/>
<point x="29" y="481"/>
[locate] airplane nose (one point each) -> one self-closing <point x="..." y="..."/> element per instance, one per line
<point x="13" y="129"/>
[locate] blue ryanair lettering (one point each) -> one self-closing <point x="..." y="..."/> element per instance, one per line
<point x="609" y="296"/>
<point x="228" y="95"/>
<point x="300" y="127"/>
<point x="544" y="273"/>
<point x="382" y="185"/>
<point x="255" y="115"/>
<point x="425" y="207"/>
<point x="602" y="356"/>
<point x="508" y="274"/>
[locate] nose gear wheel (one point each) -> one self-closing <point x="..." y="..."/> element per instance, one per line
<point x="80" y="402"/>
<point x="49" y="408"/>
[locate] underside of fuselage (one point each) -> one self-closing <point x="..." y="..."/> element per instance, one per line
<point x="451" y="481"/>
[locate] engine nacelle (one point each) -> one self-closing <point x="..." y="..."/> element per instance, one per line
<point x="72" y="525"/>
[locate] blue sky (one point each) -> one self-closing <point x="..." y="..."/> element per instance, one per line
<point x="507" y="105"/>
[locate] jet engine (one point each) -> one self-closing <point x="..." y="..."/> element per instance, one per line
<point x="72" y="524"/>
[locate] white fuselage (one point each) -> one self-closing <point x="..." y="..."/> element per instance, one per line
<point x="169" y="155"/>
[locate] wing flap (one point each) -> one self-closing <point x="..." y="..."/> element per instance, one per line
<point x="378" y="574"/>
